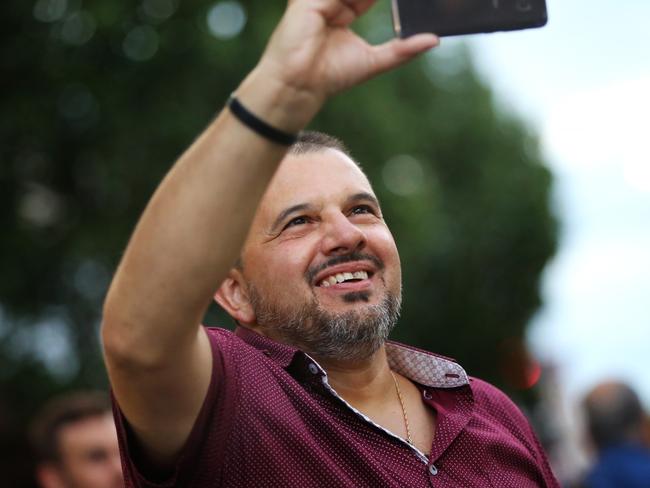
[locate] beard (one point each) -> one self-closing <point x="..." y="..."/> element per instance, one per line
<point x="351" y="335"/>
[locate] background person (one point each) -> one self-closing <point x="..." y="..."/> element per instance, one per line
<point x="617" y="430"/>
<point x="75" y="442"/>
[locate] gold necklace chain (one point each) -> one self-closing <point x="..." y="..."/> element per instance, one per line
<point x="401" y="402"/>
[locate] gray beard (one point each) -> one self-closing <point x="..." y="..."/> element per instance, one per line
<point x="353" y="335"/>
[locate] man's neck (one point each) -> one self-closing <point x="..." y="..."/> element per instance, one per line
<point x="363" y="383"/>
<point x="360" y="382"/>
<point x="371" y="388"/>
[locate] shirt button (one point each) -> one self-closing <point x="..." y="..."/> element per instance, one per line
<point x="427" y="395"/>
<point x="433" y="470"/>
<point x="313" y="369"/>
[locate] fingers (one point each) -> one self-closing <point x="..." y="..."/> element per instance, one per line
<point x="343" y="17"/>
<point x="360" y="6"/>
<point x="341" y="12"/>
<point x="350" y="11"/>
<point x="336" y="13"/>
<point x="397" y="51"/>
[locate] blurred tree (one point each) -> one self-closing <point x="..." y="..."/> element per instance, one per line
<point x="98" y="100"/>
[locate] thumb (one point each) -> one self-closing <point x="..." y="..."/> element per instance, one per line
<point x="398" y="51"/>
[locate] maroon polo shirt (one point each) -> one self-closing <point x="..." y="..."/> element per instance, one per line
<point x="270" y="419"/>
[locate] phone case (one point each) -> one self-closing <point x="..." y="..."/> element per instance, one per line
<point x="458" y="17"/>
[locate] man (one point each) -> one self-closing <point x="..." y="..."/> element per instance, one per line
<point x="307" y="392"/>
<point x="617" y="429"/>
<point x="75" y="442"/>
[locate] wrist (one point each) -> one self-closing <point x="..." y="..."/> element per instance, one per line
<point x="259" y="126"/>
<point x="285" y="107"/>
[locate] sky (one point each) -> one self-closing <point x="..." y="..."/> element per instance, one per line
<point x="583" y="82"/>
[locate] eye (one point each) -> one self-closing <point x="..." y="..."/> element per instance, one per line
<point x="97" y="455"/>
<point x="362" y="209"/>
<point x="303" y="219"/>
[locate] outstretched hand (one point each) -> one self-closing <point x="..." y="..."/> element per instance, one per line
<point x="314" y="51"/>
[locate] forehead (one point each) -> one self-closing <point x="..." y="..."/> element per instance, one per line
<point x="316" y="178"/>
<point x="87" y="433"/>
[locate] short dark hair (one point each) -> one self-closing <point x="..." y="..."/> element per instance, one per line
<point x="614" y="414"/>
<point x="313" y="141"/>
<point x="59" y="412"/>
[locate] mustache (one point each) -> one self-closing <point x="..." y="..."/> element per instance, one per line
<point x="311" y="273"/>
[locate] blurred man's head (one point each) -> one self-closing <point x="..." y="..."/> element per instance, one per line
<point x="614" y="415"/>
<point x="75" y="440"/>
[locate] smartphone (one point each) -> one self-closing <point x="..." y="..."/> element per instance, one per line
<point x="459" y="17"/>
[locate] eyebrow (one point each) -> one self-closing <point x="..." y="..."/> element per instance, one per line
<point x="363" y="196"/>
<point x="288" y="211"/>
<point x="301" y="207"/>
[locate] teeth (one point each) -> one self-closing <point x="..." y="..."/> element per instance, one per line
<point x="341" y="277"/>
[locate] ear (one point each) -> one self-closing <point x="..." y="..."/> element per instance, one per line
<point x="232" y="295"/>
<point x="49" y="476"/>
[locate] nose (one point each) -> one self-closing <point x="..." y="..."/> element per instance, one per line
<point x="341" y="236"/>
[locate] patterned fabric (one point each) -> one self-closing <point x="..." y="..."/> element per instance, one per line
<point x="271" y="419"/>
<point x="424" y="367"/>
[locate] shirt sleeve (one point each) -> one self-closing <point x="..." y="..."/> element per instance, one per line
<point x="138" y="473"/>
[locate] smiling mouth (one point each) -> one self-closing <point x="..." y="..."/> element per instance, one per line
<point x="346" y="277"/>
<point x="346" y="271"/>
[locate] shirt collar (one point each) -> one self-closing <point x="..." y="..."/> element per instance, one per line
<point x="424" y="367"/>
<point x="421" y="366"/>
<point x="278" y="352"/>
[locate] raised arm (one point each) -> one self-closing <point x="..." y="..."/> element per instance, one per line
<point x="192" y="230"/>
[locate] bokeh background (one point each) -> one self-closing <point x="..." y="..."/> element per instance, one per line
<point x="478" y="152"/>
<point x="583" y="82"/>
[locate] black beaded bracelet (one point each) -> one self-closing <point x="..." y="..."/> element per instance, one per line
<point x="258" y="125"/>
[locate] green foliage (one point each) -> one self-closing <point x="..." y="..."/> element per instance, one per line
<point x="98" y="100"/>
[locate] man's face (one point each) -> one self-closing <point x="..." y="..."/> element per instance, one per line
<point x="89" y="454"/>
<point x="321" y="266"/>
